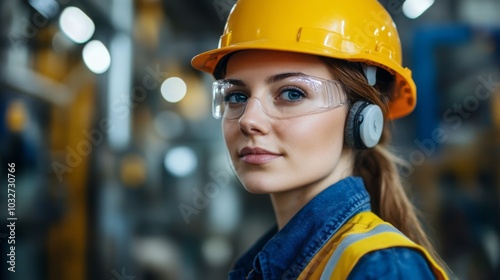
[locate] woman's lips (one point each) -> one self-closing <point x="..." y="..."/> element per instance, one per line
<point x="256" y="155"/>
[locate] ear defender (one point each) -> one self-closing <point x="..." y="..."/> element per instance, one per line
<point x="364" y="125"/>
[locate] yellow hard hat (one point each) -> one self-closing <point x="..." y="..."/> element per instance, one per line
<point x="361" y="31"/>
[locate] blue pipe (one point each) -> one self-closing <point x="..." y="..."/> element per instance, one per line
<point x="427" y="39"/>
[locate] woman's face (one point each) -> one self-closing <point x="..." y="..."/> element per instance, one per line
<point x="271" y="155"/>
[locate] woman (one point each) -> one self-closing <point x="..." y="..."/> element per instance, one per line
<point x="303" y="89"/>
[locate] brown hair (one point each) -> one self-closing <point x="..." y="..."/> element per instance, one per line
<point x="378" y="166"/>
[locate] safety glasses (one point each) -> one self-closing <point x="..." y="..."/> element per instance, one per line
<point x="287" y="95"/>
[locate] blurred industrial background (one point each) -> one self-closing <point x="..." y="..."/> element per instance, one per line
<point x="121" y="171"/>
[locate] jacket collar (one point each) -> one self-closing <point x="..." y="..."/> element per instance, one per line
<point x="285" y="253"/>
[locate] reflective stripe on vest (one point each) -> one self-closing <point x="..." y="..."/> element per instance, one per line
<point x="351" y="239"/>
<point x="363" y="233"/>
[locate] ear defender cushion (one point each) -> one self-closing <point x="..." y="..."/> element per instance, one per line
<point x="364" y="125"/>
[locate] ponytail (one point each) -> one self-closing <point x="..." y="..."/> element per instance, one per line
<point x="378" y="169"/>
<point x="378" y="166"/>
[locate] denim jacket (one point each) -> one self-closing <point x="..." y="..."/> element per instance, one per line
<point x="284" y="254"/>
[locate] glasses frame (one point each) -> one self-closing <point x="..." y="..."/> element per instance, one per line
<point x="332" y="87"/>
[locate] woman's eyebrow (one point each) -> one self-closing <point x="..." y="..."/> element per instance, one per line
<point x="236" y="82"/>
<point x="282" y="76"/>
<point x="269" y="80"/>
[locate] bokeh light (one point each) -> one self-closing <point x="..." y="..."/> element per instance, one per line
<point x="96" y="56"/>
<point x="76" y="25"/>
<point x="173" y="89"/>
<point x="181" y="161"/>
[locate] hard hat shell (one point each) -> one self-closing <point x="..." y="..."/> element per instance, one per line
<point x="360" y="31"/>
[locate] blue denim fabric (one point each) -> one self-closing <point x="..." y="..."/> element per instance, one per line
<point x="284" y="254"/>
<point x="392" y="263"/>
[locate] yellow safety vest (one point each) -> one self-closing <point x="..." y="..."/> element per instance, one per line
<point x="362" y="234"/>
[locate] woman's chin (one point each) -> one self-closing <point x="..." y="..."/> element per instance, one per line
<point x="264" y="187"/>
<point x="259" y="186"/>
<point x="258" y="189"/>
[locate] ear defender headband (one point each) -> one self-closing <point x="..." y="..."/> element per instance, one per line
<point x="365" y="120"/>
<point x="364" y="125"/>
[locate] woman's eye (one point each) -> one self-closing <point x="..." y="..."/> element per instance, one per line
<point x="292" y="94"/>
<point x="235" y="97"/>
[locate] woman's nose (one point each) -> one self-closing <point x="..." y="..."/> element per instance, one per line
<point x="254" y="119"/>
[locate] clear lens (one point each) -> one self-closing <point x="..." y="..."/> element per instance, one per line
<point x="287" y="96"/>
